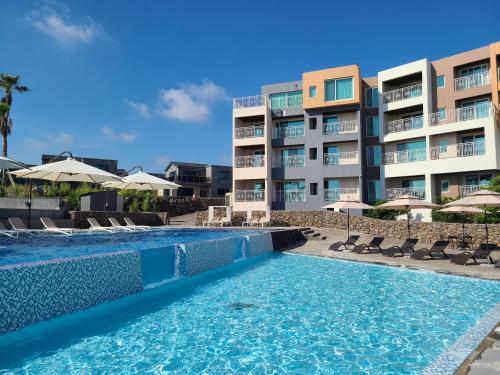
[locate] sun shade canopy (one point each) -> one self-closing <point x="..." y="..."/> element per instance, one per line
<point x="141" y="181"/>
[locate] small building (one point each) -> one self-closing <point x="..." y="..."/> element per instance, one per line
<point x="201" y="180"/>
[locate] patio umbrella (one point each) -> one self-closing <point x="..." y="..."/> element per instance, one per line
<point x="463" y="210"/>
<point x="406" y="202"/>
<point x="6" y="163"/>
<point x="347" y="204"/>
<point x="141" y="181"/>
<point x="481" y="198"/>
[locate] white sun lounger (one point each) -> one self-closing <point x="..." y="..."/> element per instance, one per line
<point x="50" y="226"/>
<point x="116" y="225"/>
<point x="131" y="225"/>
<point x="7" y="232"/>
<point x="96" y="227"/>
<point x="18" y="225"/>
<point x="248" y="221"/>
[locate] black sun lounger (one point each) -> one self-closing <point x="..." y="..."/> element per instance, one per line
<point x="407" y="246"/>
<point x="337" y="246"/>
<point x="438" y="247"/>
<point x="372" y="247"/>
<point x="482" y="252"/>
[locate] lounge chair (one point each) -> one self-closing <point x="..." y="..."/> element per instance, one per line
<point x="407" y="246"/>
<point x="132" y="225"/>
<point x="18" y="225"/>
<point x="211" y="219"/>
<point x="351" y="241"/>
<point x="266" y="219"/>
<point x="372" y="247"/>
<point x="116" y="225"/>
<point x="50" y="226"/>
<point x="226" y="220"/>
<point x="248" y="221"/>
<point x="438" y="247"/>
<point x="8" y="232"/>
<point x="482" y="252"/>
<point x="96" y="227"/>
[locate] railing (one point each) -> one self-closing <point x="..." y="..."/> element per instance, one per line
<point x="288" y="132"/>
<point x="298" y="195"/>
<point x="407" y="156"/>
<point x="341" y="193"/>
<point x="464" y="190"/>
<point x="340" y="158"/>
<point x="285" y="101"/>
<point x="289" y="162"/>
<point x="462" y="114"/>
<point x="403" y="93"/>
<point x="416" y="122"/>
<point x="191" y="179"/>
<point x="249" y="195"/>
<point x="341" y="127"/>
<point x="253" y="131"/>
<point x="395" y="193"/>
<point x="474" y="80"/>
<point x="249" y="102"/>
<point x="249" y="161"/>
<point x="457" y="150"/>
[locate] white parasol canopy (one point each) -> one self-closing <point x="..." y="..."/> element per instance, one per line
<point x="141" y="181"/>
<point x="6" y="163"/>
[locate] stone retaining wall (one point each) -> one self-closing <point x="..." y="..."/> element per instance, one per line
<point x="426" y="232"/>
<point x="79" y="218"/>
<point x="185" y="205"/>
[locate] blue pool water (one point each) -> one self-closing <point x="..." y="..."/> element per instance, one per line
<point x="37" y="248"/>
<point x="271" y="314"/>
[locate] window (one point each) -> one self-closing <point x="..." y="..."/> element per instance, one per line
<point x="223" y="175"/>
<point x="313" y="153"/>
<point x="373" y="155"/>
<point x="440" y="81"/>
<point x="371" y="97"/>
<point x="313" y="188"/>
<point x="313" y="123"/>
<point x="442" y="113"/>
<point x="339" y="89"/>
<point x="312" y="91"/>
<point x="445" y="186"/>
<point x="286" y="99"/>
<point x="374" y="190"/>
<point x="473" y="70"/>
<point x="372" y="126"/>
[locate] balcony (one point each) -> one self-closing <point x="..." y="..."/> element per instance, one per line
<point x="465" y="190"/>
<point x="342" y="127"/>
<point x="404" y="124"/>
<point x="288" y="132"/>
<point x="395" y="193"/>
<point x="189" y="179"/>
<point x="298" y="195"/>
<point x="340" y="158"/>
<point x="254" y="131"/>
<point x="249" y="161"/>
<point x="342" y="194"/>
<point x="462" y="114"/>
<point x="249" y="196"/>
<point x="474" y="80"/>
<point x="249" y="102"/>
<point x="408" y="156"/>
<point x="289" y="162"/>
<point x="403" y="93"/>
<point x="458" y="150"/>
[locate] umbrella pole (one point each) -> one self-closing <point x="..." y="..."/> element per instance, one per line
<point x="29" y="204"/>
<point x="486" y="226"/>
<point x="348" y="218"/>
<point x="408" y="220"/>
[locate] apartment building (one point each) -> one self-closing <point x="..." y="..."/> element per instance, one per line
<point x="425" y="128"/>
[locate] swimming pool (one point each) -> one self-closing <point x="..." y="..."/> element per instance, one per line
<point x="39" y="248"/>
<point x="276" y="312"/>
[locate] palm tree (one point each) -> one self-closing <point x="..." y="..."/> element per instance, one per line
<point x="8" y="84"/>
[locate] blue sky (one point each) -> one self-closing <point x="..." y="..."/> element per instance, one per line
<point x="148" y="81"/>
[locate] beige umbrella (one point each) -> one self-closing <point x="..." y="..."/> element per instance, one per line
<point x="463" y="210"/>
<point x="347" y="204"/>
<point x="407" y="202"/>
<point x="481" y="198"/>
<point x="141" y="181"/>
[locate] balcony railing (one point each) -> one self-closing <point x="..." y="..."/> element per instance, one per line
<point x="298" y="195"/>
<point x="289" y="162"/>
<point x="474" y="80"/>
<point x="249" y="102"/>
<point x="395" y="193"/>
<point x="189" y="179"/>
<point x="340" y="158"/>
<point x="462" y="114"/>
<point x="408" y="156"/>
<point x="464" y="190"/>
<point x="249" y="161"/>
<point x="249" y="195"/>
<point x="458" y="150"/>
<point x="403" y="93"/>
<point x="416" y="122"/>
<point x="253" y="131"/>
<point x="341" y="127"/>
<point x="342" y="194"/>
<point x="288" y="132"/>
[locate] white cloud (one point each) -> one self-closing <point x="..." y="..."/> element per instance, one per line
<point x="162" y="161"/>
<point x="54" y="21"/>
<point x="56" y="142"/>
<point x="191" y="102"/>
<point x="114" y="136"/>
<point x="139" y="108"/>
<point x="64" y="139"/>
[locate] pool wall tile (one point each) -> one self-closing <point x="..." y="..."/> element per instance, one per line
<point x="33" y="292"/>
<point x="158" y="264"/>
<point x="259" y="244"/>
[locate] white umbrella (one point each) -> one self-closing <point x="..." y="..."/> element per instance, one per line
<point x="407" y="202"/>
<point x="141" y="181"/>
<point x="6" y="163"/>
<point x="347" y="204"/>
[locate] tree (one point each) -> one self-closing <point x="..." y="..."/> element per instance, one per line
<point x="9" y="84"/>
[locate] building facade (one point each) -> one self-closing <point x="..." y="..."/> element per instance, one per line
<point x="425" y="128"/>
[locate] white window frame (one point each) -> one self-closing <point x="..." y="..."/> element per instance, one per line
<point x="444" y="81"/>
<point x="366" y="96"/>
<point x="334" y="80"/>
<point x="366" y="126"/>
<point x="445" y="191"/>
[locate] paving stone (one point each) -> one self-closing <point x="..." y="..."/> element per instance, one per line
<point x="476" y="369"/>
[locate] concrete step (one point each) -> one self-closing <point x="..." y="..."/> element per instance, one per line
<point x="304" y="229"/>
<point x="476" y="369"/>
<point x="310" y="231"/>
<point x="315" y="236"/>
